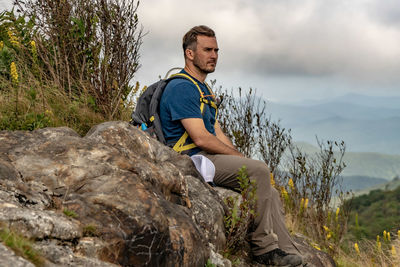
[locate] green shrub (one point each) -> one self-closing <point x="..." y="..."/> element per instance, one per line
<point x="240" y="216"/>
<point x="90" y="230"/>
<point x="87" y="47"/>
<point x="21" y="246"/>
<point x="70" y="213"/>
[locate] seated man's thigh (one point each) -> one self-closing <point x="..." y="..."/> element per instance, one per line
<point x="227" y="170"/>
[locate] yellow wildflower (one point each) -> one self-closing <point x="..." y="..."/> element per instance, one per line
<point x="356" y="248"/>
<point x="328" y="236"/>
<point x="272" y="179"/>
<point x="1" y="45"/>
<point x="291" y="184"/>
<point x="326" y="228"/>
<point x="337" y="214"/>
<point x="379" y="245"/>
<point x="377" y="238"/>
<point x="301" y="203"/>
<point x="316" y="247"/>
<point x="284" y="193"/>
<point x="33" y="48"/>
<point x="384" y="235"/>
<point x="393" y="250"/>
<point x="306" y="203"/>
<point x="398" y="234"/>
<point x="388" y="236"/>
<point x="13" y="38"/>
<point x="14" y="73"/>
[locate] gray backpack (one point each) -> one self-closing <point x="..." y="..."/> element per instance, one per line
<point x="146" y="114"/>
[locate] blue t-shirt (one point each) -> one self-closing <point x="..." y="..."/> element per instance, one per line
<point x="181" y="100"/>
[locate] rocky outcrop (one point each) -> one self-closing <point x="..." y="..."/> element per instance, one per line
<point x="114" y="197"/>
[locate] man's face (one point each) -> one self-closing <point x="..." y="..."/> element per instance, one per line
<point x="206" y="55"/>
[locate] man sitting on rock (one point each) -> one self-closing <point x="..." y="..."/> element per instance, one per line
<point x="180" y="112"/>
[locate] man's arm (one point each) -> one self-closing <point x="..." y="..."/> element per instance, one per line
<point x="221" y="136"/>
<point x="205" y="140"/>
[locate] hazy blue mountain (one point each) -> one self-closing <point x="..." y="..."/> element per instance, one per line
<point x="357" y="183"/>
<point x="366" y="164"/>
<point x="389" y="185"/>
<point x="356" y="119"/>
<point x="360" y="135"/>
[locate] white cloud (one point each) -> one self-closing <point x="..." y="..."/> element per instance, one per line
<point x="311" y="37"/>
<point x="287" y="44"/>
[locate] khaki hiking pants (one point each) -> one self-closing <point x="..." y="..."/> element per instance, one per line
<point x="270" y="230"/>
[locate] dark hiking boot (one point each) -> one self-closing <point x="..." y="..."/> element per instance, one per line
<point x="278" y="257"/>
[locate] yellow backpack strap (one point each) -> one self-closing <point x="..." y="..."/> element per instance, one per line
<point x="190" y="79"/>
<point x="181" y="145"/>
<point x="213" y="104"/>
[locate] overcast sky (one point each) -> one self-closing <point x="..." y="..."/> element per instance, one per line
<point x="288" y="49"/>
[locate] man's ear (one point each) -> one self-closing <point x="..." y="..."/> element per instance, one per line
<point x="189" y="53"/>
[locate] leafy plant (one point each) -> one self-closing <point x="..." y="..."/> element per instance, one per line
<point x="20" y="245"/>
<point x="87" y="47"/>
<point x="90" y="230"/>
<point x="209" y="264"/>
<point x="241" y="213"/>
<point x="70" y="213"/>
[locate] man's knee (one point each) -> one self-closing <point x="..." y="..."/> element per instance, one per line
<point x="258" y="169"/>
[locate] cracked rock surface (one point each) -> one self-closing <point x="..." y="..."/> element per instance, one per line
<point x="129" y="200"/>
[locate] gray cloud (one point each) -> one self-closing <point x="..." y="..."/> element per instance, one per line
<point x="310" y="37"/>
<point x="318" y="46"/>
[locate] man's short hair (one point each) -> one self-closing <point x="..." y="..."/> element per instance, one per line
<point x="190" y="38"/>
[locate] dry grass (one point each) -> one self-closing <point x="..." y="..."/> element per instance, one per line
<point x="370" y="255"/>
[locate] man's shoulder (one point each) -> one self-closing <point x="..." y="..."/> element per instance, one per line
<point x="180" y="85"/>
<point x="180" y="81"/>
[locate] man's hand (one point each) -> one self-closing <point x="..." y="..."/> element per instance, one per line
<point x="207" y="141"/>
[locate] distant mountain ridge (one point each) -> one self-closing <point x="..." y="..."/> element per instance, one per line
<point x="367" y="164"/>
<point x="370" y="124"/>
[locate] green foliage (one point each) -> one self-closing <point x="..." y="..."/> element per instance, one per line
<point x="20" y="245"/>
<point x="374" y="213"/>
<point x="90" y="230"/>
<point x="37" y="94"/>
<point x="70" y="213"/>
<point x="88" y="47"/>
<point x="241" y="213"/>
<point x="209" y="264"/>
<point x="30" y="121"/>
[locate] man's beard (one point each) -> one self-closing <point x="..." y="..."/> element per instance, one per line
<point x="204" y="69"/>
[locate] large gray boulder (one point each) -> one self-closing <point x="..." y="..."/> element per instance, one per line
<point x="115" y="197"/>
<point x="143" y="203"/>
